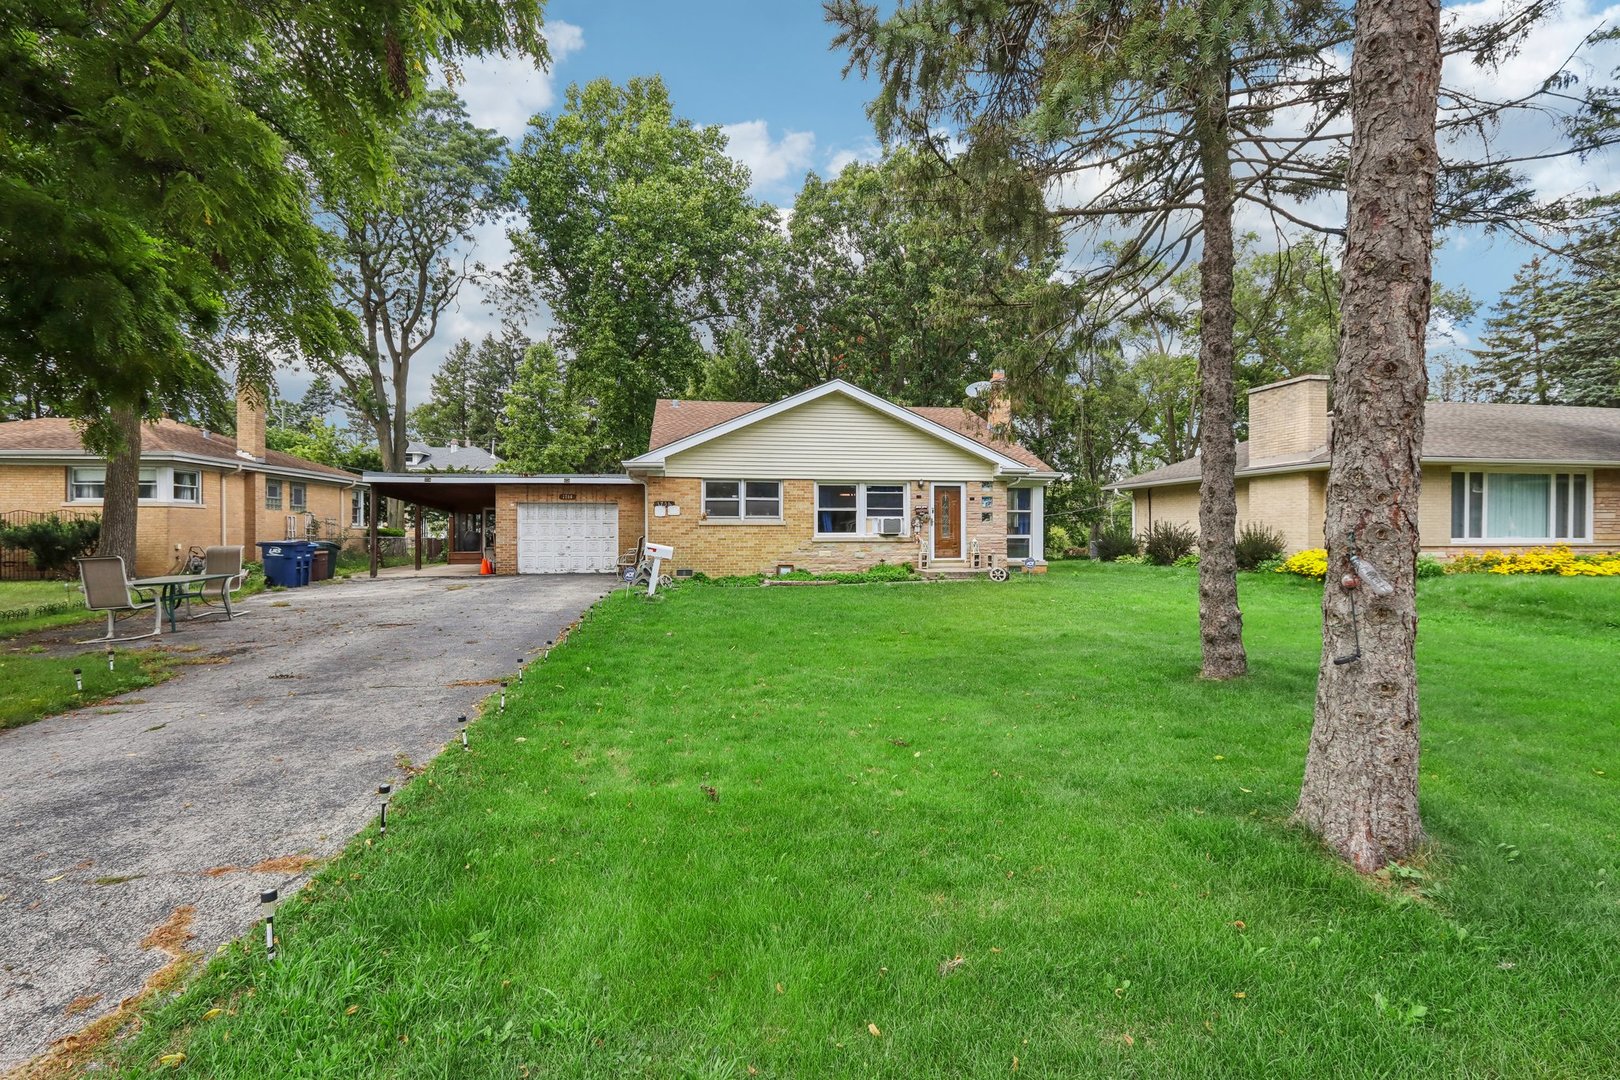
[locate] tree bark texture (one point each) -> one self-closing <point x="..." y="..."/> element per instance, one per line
<point x="1360" y="792"/>
<point x="120" y="500"/>
<point x="1220" y="621"/>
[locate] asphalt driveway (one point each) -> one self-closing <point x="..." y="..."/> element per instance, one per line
<point x="264" y="756"/>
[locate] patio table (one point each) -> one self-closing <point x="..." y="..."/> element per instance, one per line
<point x="173" y="590"/>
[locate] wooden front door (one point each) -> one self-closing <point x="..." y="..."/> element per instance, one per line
<point x="947" y="523"/>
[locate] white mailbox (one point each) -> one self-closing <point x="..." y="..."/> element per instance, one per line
<point x="657" y="553"/>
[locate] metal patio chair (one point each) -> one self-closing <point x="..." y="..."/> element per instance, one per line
<point x="220" y="559"/>
<point x="106" y="588"/>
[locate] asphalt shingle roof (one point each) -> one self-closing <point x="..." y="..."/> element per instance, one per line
<point x="463" y="458"/>
<point x="1465" y="431"/>
<point x="674" y="420"/>
<point x="164" y="437"/>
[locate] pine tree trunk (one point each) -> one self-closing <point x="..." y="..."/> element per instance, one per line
<point x="1360" y="792"/>
<point x="120" y="501"/>
<point x="1220" y="621"/>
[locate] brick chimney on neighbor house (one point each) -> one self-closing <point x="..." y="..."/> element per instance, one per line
<point x="1000" y="417"/>
<point x="1288" y="420"/>
<point x="250" y="409"/>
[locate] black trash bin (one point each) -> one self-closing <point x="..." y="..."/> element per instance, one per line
<point x="331" y="548"/>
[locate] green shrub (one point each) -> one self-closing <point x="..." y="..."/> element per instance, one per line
<point x="1430" y="567"/>
<point x="53" y="542"/>
<point x="1165" y="542"/>
<point x="1271" y="566"/>
<point x="389" y="530"/>
<point x="1058" y="541"/>
<point x="1114" y="544"/>
<point x="1257" y="544"/>
<point x="1132" y="560"/>
<point x="1188" y="560"/>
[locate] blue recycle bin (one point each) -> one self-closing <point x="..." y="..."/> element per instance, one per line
<point x="287" y="562"/>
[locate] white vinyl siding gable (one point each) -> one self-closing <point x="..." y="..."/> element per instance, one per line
<point x="828" y="437"/>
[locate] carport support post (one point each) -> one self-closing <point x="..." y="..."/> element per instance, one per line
<point x="372" y="527"/>
<point x="419" y="538"/>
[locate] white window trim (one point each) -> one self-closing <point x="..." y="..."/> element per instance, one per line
<point x="1552" y="506"/>
<point x="743" y="518"/>
<point x="162" y="484"/>
<point x="359" y="508"/>
<point x="1034" y="525"/>
<point x="864" y="529"/>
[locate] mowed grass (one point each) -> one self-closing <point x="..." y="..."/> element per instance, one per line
<point x="35" y="686"/>
<point x="962" y="830"/>
<point x="28" y="595"/>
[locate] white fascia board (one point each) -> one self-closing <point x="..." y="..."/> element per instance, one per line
<point x="1003" y="463"/>
<point x="173" y="457"/>
<point x="495" y="479"/>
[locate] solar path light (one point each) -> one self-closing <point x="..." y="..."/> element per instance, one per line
<point x="78" y="679"/>
<point x="267" y="906"/>
<point x="462" y="720"/>
<point x="382" y="820"/>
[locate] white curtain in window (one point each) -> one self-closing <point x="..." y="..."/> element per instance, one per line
<point x="1518" y="506"/>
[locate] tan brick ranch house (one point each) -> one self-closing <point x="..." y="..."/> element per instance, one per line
<point x="1494" y="476"/>
<point x="833" y="478"/>
<point x="197" y="487"/>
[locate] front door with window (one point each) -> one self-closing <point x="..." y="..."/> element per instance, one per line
<point x="947" y="523"/>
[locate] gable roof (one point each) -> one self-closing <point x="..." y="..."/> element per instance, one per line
<point x="679" y="425"/>
<point x="59" y="437"/>
<point x="1461" y="432"/>
<point x="474" y="458"/>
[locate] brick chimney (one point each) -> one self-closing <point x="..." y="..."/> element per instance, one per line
<point x="1288" y="420"/>
<point x="250" y="408"/>
<point x="1000" y="405"/>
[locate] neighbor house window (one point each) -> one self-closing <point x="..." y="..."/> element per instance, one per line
<point x="86" y="484"/>
<point x="359" y="503"/>
<point x="272" y="494"/>
<point x="187" y="487"/>
<point x="297" y="498"/>
<point x="1020" y="518"/>
<point x="153" y="483"/>
<point x="743" y="500"/>
<point x="1520" y="506"/>
<point x="860" y="509"/>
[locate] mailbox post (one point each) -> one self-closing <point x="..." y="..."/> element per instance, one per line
<point x="657" y="553"/>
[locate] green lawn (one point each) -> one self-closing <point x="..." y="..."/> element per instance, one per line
<point x="1027" y="777"/>
<point x="33" y="686"/>
<point x="20" y="596"/>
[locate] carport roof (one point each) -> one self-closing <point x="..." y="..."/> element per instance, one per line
<point x="465" y="492"/>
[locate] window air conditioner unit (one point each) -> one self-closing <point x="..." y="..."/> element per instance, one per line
<point x="889" y="526"/>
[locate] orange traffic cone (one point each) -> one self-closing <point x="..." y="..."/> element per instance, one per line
<point x="484" y="567"/>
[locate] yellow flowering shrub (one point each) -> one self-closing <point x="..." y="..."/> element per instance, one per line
<point x="1560" y="560"/>
<point x="1311" y="563"/>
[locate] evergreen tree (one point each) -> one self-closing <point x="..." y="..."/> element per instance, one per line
<point x="469" y="391"/>
<point x="546" y="427"/>
<point x="1589" y="307"/>
<point x="1522" y="351"/>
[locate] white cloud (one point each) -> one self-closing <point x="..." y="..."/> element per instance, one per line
<point x="502" y="92"/>
<point x="866" y="153"/>
<point x="769" y="161"/>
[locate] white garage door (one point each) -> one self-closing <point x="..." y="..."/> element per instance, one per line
<point x="567" y="538"/>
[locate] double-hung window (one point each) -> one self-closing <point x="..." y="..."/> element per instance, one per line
<point x="149" y="483"/>
<point x="1525" y="507"/>
<point x="297" y="497"/>
<point x="187" y="486"/>
<point x="1020" y="519"/>
<point x="742" y="500"/>
<point x="272" y="494"/>
<point x="359" y="503"/>
<point x="860" y="509"/>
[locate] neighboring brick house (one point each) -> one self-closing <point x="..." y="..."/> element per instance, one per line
<point x="1494" y="476"/>
<point x="833" y="478"/>
<point x="197" y="487"/>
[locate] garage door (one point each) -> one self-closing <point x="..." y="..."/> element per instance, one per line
<point x="567" y="538"/>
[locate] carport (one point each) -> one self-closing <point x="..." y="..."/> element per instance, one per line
<point x="529" y="524"/>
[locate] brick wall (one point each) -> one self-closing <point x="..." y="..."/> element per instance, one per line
<point x="724" y="549"/>
<point x="160" y="528"/>
<point x="507" y="497"/>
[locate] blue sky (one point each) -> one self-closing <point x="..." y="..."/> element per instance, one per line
<point x="764" y="72"/>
